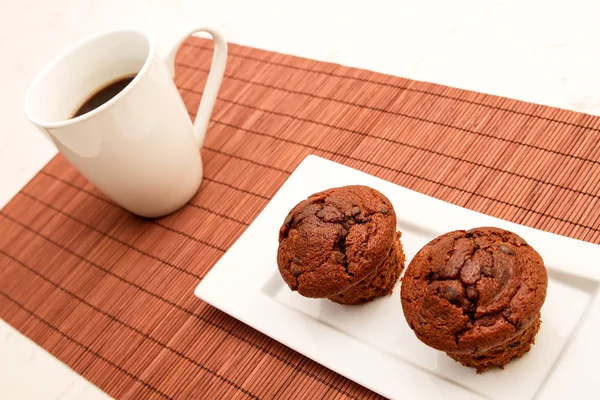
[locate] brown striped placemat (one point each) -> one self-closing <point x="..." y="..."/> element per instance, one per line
<point x="111" y="294"/>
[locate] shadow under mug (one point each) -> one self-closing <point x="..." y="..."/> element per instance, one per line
<point x="140" y="148"/>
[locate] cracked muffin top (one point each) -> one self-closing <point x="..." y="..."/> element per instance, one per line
<point x="335" y="239"/>
<point x="468" y="291"/>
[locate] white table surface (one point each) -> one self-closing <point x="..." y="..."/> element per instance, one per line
<point x="543" y="51"/>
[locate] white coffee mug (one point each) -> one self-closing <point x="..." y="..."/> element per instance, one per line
<point x="139" y="148"/>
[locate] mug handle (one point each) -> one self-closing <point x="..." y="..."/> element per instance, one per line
<point x="215" y="75"/>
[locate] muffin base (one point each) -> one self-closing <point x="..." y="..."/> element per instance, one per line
<point x="378" y="284"/>
<point x="501" y="355"/>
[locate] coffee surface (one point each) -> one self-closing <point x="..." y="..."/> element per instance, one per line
<point x="103" y="95"/>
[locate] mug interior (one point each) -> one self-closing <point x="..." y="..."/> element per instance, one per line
<point x="68" y="81"/>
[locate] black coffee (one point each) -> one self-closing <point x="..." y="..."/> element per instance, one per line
<point x="103" y="95"/>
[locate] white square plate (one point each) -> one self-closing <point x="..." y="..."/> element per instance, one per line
<point x="372" y="344"/>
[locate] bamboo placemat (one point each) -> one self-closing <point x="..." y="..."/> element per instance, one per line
<point x="111" y="295"/>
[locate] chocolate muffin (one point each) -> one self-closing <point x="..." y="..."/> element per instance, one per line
<point x="341" y="244"/>
<point x="476" y="295"/>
